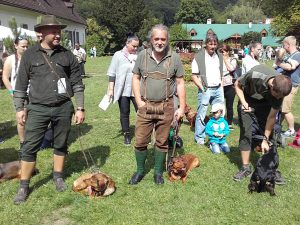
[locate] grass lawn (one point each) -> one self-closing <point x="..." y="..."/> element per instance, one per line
<point x="210" y="196"/>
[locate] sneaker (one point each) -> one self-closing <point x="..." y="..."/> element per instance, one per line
<point x="289" y="133"/>
<point x="1" y="140"/>
<point x="200" y="142"/>
<point x="244" y="172"/>
<point x="231" y="127"/>
<point x="21" y="195"/>
<point x="279" y="180"/>
<point x="60" y="184"/>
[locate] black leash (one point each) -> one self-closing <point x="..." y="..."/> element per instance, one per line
<point x="93" y="167"/>
<point x="264" y="137"/>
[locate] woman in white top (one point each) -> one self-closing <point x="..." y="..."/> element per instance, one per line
<point x="10" y="73"/>
<point x="251" y="59"/>
<point x="120" y="81"/>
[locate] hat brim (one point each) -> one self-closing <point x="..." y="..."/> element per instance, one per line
<point x="37" y="28"/>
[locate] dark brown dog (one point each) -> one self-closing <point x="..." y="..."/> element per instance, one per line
<point x="94" y="184"/>
<point x="190" y="115"/>
<point x="180" y="166"/>
<point x="12" y="170"/>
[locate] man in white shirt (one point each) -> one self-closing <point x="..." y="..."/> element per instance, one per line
<point x="81" y="57"/>
<point x="251" y="59"/>
<point x="207" y="68"/>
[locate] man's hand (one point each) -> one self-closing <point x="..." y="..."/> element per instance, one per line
<point x="264" y="146"/>
<point x="246" y="107"/>
<point x="140" y="104"/>
<point x="79" y="117"/>
<point x="21" y="117"/>
<point x="179" y="113"/>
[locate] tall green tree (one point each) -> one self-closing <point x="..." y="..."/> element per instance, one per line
<point x="244" y="12"/>
<point x="98" y="36"/>
<point x="163" y="10"/>
<point x="220" y="5"/>
<point x="250" y="36"/>
<point x="287" y="21"/>
<point x="119" y="16"/>
<point x="146" y="27"/>
<point x="194" y="11"/>
<point x="177" y="32"/>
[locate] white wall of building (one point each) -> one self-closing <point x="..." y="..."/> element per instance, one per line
<point x="29" y="18"/>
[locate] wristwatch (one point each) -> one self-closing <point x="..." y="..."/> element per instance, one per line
<point x="81" y="109"/>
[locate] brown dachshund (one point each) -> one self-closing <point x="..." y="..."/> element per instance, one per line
<point x="180" y="166"/>
<point x="12" y="170"/>
<point x="190" y="115"/>
<point x="94" y="184"/>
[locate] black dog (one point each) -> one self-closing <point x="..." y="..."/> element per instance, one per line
<point x="263" y="178"/>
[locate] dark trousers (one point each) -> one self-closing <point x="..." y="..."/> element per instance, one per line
<point x="39" y="117"/>
<point x="261" y="112"/>
<point x="229" y="94"/>
<point x="124" y="106"/>
<point x="81" y="68"/>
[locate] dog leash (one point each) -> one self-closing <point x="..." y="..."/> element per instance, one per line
<point x="93" y="167"/>
<point x="174" y="139"/>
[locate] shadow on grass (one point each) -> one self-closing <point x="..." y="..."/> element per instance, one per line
<point x="78" y="131"/>
<point x="76" y="163"/>
<point x="8" y="129"/>
<point x="234" y="157"/>
<point x="8" y="155"/>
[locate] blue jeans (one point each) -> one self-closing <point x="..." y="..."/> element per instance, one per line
<point x="217" y="148"/>
<point x="211" y="96"/>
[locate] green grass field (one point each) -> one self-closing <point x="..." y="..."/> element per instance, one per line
<point x="210" y="196"/>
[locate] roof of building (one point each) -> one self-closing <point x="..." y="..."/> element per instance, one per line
<point x="61" y="8"/>
<point x="225" y="31"/>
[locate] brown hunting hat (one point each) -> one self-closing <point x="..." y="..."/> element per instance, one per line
<point x="48" y="21"/>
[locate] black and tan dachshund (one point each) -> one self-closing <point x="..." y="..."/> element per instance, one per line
<point x="263" y="178"/>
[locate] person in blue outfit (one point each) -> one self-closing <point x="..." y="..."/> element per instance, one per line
<point x="217" y="130"/>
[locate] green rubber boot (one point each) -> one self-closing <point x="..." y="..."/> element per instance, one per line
<point x="140" y="157"/>
<point x="160" y="158"/>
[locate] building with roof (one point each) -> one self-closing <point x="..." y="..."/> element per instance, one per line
<point x="229" y="33"/>
<point x="26" y="13"/>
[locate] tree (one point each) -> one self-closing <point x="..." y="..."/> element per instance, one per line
<point x="177" y="32"/>
<point x="287" y="20"/>
<point x="8" y="42"/>
<point x="220" y="5"/>
<point x="146" y="27"/>
<point x="194" y="11"/>
<point x="163" y="10"/>
<point x="98" y="36"/>
<point x="250" y="36"/>
<point x="119" y="16"/>
<point x="244" y="12"/>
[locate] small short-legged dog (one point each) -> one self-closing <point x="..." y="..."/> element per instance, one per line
<point x="190" y="115"/>
<point x="263" y="178"/>
<point x="94" y="185"/>
<point x="12" y="170"/>
<point x="180" y="166"/>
